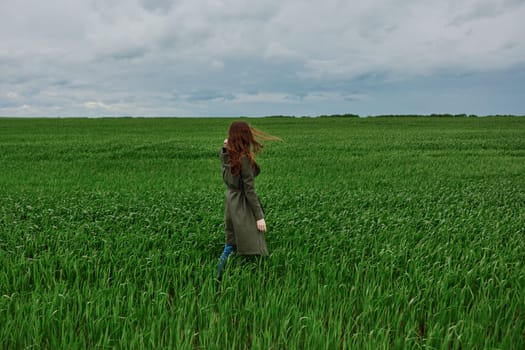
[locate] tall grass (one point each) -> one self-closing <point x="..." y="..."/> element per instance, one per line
<point x="384" y="233"/>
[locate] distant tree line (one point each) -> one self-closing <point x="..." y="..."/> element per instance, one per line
<point x="339" y="116"/>
<point x="444" y="115"/>
<point x="434" y="115"/>
<point x="319" y="116"/>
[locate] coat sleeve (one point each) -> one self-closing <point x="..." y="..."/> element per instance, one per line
<point x="222" y="155"/>
<point x="248" y="180"/>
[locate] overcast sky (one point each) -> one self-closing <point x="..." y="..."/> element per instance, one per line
<point x="256" y="58"/>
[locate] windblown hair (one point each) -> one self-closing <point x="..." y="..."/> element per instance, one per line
<point x="244" y="140"/>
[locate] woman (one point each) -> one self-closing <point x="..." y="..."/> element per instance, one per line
<point x="243" y="213"/>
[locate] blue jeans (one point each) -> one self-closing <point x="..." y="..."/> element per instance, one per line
<point x="228" y="249"/>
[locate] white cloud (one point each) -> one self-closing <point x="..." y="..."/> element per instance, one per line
<point x="265" y="97"/>
<point x="276" y="51"/>
<point x="97" y="105"/>
<point x="225" y="53"/>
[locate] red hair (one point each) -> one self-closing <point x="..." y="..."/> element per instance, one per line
<point x="241" y="141"/>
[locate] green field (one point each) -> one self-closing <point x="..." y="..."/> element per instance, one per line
<point x="403" y="233"/>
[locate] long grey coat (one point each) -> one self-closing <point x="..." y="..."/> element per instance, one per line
<point x="242" y="208"/>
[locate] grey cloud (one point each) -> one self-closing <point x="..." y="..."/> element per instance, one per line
<point x="354" y="96"/>
<point x="208" y="95"/>
<point x="511" y="45"/>
<point x="126" y="57"/>
<point x="127" y="53"/>
<point x="485" y="9"/>
<point x="157" y="5"/>
<point x="8" y="101"/>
